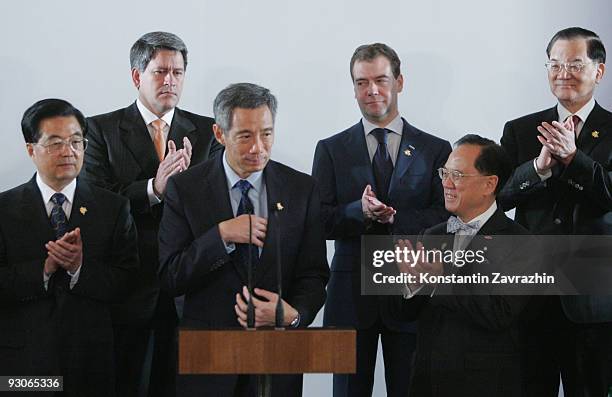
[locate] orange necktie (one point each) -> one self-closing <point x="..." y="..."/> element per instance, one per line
<point x="158" y="139"/>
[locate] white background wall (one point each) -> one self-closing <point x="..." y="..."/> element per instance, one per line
<point x="469" y="66"/>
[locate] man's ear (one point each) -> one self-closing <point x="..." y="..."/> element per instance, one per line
<point x="30" y="149"/>
<point x="136" y="77"/>
<point x="219" y="136"/>
<point x="492" y="182"/>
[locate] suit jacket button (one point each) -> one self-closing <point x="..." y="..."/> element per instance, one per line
<point x="557" y="221"/>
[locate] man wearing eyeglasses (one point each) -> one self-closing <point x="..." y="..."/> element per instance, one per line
<point x="377" y="177"/>
<point x="562" y="185"/>
<point x="133" y="151"/>
<point x="468" y="334"/>
<point x="67" y="250"/>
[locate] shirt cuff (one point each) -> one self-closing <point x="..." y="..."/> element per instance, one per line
<point x="153" y="199"/>
<point x="46" y="279"/>
<point x="408" y="293"/>
<point x="543" y="175"/>
<point x="74" y="277"/>
<point x="229" y="247"/>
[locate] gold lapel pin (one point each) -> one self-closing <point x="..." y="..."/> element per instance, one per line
<point x="407" y="152"/>
<point x="83" y="210"/>
<point x="595" y="134"/>
<point x="279" y="206"/>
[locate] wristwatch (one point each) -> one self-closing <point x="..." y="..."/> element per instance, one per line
<point x="296" y="321"/>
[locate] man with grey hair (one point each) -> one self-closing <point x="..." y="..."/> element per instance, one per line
<point x="133" y="151"/>
<point x="204" y="249"/>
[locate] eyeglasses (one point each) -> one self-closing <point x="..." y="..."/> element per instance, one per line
<point x="571" y="67"/>
<point x="56" y="145"/>
<point x="454" y="175"/>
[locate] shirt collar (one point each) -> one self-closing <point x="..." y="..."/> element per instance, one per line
<point x="396" y="125"/>
<point x="255" y="179"/>
<point x="583" y="113"/>
<point x="148" y="116"/>
<point x="47" y="191"/>
<point x="484" y="217"/>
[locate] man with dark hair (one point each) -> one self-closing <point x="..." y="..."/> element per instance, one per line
<point x="133" y="151"/>
<point x="67" y="250"/>
<point x="204" y="249"/>
<point x="469" y="339"/>
<point x="561" y="184"/>
<point x="377" y="177"/>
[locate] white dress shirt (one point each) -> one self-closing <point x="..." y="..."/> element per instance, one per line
<point x="394" y="138"/>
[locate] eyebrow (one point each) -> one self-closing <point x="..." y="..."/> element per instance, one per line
<point x="573" y="60"/>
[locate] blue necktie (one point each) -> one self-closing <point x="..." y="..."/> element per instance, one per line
<point x="246" y="207"/>
<point x="59" y="222"/>
<point x="455" y="224"/>
<point x="382" y="165"/>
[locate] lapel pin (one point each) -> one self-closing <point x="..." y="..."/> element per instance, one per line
<point x="407" y="152"/>
<point x="488" y="237"/>
<point x="595" y="134"/>
<point x="279" y="206"/>
<point x="83" y="210"/>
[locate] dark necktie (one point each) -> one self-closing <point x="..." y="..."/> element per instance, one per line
<point x="382" y="164"/>
<point x="59" y="222"/>
<point x="246" y="207"/>
<point x="60" y="280"/>
<point x="575" y="120"/>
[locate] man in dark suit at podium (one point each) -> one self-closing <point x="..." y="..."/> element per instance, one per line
<point x="67" y="251"/>
<point x="133" y="151"/>
<point x="562" y="185"/>
<point x="377" y="177"/>
<point x="212" y="212"/>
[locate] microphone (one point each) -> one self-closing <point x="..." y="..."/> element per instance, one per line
<point x="250" y="307"/>
<point x="280" y="310"/>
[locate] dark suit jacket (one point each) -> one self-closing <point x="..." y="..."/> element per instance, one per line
<point x="343" y="168"/>
<point x="470" y="345"/>
<point x="121" y="157"/>
<point x="577" y="199"/>
<point x="194" y="260"/>
<point x="63" y="331"/>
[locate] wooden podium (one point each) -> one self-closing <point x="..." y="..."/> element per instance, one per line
<point x="267" y="351"/>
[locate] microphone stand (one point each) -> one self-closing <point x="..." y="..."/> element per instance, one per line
<point x="280" y="310"/>
<point x="250" y="307"/>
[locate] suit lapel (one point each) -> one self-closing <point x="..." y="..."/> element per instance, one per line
<point x="358" y="157"/>
<point x="137" y="139"/>
<point x="411" y="147"/>
<point x="594" y="130"/>
<point x="275" y="181"/>
<point x="35" y="214"/>
<point x="181" y="127"/>
<point x="82" y="206"/>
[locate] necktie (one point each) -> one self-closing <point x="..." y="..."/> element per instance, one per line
<point x="455" y="224"/>
<point x="246" y="207"/>
<point x="382" y="164"/>
<point x="59" y="222"/>
<point x="159" y="139"/>
<point x="575" y="120"/>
